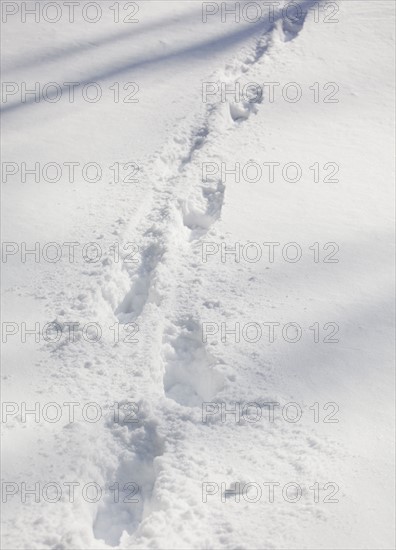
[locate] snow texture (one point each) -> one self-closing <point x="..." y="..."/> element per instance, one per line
<point x="191" y="474"/>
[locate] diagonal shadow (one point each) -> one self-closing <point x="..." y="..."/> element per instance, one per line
<point x="43" y="57"/>
<point x="203" y="48"/>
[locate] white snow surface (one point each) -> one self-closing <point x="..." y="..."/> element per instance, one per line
<point x="170" y="213"/>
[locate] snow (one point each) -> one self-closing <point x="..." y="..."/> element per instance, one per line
<point x="154" y="392"/>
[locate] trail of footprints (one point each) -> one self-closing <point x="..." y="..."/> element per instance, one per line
<point x="189" y="370"/>
<point x="204" y="205"/>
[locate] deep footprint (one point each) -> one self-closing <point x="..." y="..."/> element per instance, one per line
<point x="134" y="301"/>
<point x="190" y="377"/>
<point x="124" y="510"/>
<point x="202" y="213"/>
